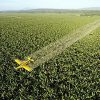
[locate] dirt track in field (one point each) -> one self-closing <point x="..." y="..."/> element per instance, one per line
<point x="53" y="49"/>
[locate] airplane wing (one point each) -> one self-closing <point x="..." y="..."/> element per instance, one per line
<point x="18" y="67"/>
<point x="27" y="68"/>
<point x="18" y="61"/>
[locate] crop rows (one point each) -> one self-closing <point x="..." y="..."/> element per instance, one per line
<point x="72" y="75"/>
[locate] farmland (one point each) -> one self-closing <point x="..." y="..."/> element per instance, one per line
<point x="72" y="75"/>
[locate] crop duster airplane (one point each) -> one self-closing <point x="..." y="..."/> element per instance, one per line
<point x="24" y="64"/>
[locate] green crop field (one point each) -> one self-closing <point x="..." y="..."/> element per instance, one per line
<point x="73" y="74"/>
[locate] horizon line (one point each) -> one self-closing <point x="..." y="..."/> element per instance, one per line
<point x="85" y="8"/>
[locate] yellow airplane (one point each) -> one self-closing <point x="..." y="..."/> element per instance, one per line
<point x="24" y="64"/>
